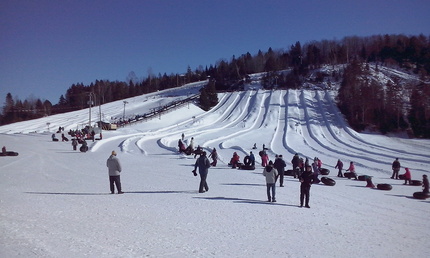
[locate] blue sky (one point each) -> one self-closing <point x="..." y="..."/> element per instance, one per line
<point x="46" y="46"/>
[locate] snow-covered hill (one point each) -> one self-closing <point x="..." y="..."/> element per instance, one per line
<point x="56" y="202"/>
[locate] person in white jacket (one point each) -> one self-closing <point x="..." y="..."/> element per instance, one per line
<point x="271" y="175"/>
<point x="114" y="167"/>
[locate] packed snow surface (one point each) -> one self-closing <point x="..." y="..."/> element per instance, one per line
<point x="56" y="202"/>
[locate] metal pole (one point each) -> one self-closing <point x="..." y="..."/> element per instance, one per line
<point x="90" y="102"/>
<point x="123" y="115"/>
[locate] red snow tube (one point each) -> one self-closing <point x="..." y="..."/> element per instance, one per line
<point x="386" y="187"/>
<point x="328" y="181"/>
<point x="421" y="195"/>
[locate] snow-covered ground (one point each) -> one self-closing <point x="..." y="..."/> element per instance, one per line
<point x="55" y="202"/>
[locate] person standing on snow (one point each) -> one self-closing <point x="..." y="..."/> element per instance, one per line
<point x="74" y="143"/>
<point x="214" y="156"/>
<point x="396" y="168"/>
<point x="252" y="159"/>
<point x="306" y="179"/>
<point x="339" y="165"/>
<point x="425" y="184"/>
<point x="264" y="159"/>
<point x="296" y="162"/>
<point x="114" y="167"/>
<point x="191" y="145"/>
<point x="316" y="170"/>
<point x="271" y="174"/>
<point x="280" y="167"/>
<point x="203" y="164"/>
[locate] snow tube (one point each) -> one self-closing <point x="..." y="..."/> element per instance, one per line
<point x="386" y="187"/>
<point x="363" y="177"/>
<point x="289" y="172"/>
<point x="416" y="182"/>
<point x="9" y="153"/>
<point x="55" y="139"/>
<point x="83" y="148"/>
<point x="328" y="181"/>
<point x="349" y="175"/>
<point x="247" y="161"/>
<point x="402" y="177"/>
<point x="421" y="195"/>
<point x="324" y="171"/>
<point x="247" y="167"/>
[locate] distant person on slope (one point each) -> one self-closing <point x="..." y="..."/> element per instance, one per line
<point x="396" y="168"/>
<point x="339" y="165"/>
<point x="280" y="167"/>
<point x="316" y="173"/>
<point x="203" y="164"/>
<point x="425" y="184"/>
<point x="306" y="179"/>
<point x="252" y="159"/>
<point x="296" y="163"/>
<point x="214" y="156"/>
<point x="271" y="174"/>
<point x="114" y="167"/>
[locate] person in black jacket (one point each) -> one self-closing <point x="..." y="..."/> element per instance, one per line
<point x="396" y="168"/>
<point x="203" y="164"/>
<point x="306" y="180"/>
<point x="425" y="184"/>
<point x="280" y="167"/>
<point x="296" y="162"/>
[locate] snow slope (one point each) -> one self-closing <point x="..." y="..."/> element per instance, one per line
<point x="55" y="202"/>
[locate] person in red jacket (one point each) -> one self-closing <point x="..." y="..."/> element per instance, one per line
<point x="407" y="176"/>
<point x="234" y="160"/>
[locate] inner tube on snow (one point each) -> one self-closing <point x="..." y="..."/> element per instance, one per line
<point x="328" y="181"/>
<point x="349" y="175"/>
<point x="9" y="153"/>
<point x="416" y="182"/>
<point x="363" y="177"/>
<point x="247" y="161"/>
<point x="83" y="148"/>
<point x="421" y="195"/>
<point x="289" y="172"/>
<point x="386" y="187"/>
<point x="247" y="167"/>
<point x="324" y="171"/>
<point x="402" y="177"/>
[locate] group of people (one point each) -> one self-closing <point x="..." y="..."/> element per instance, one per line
<point x="275" y="170"/>
<point x="305" y="172"/>
<point x="350" y="172"/>
<point x="407" y="176"/>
